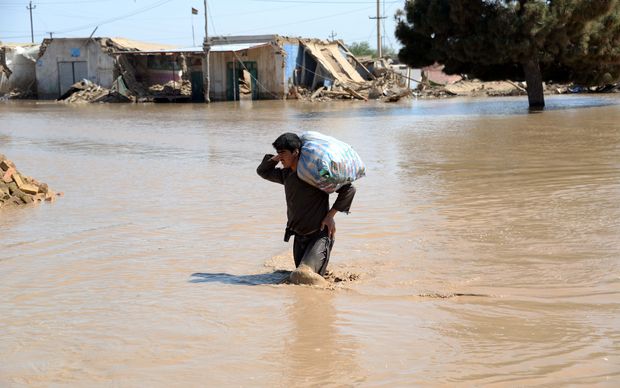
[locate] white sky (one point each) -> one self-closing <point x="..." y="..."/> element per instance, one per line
<point x="170" y="21"/>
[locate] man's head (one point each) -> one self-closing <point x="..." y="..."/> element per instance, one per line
<point x="288" y="146"/>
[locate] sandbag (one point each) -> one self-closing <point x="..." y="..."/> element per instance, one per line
<point x="328" y="163"/>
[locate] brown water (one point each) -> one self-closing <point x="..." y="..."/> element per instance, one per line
<point x="157" y="267"/>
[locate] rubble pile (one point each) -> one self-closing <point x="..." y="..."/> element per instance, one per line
<point x="86" y="91"/>
<point x="17" y="189"/>
<point x="19" y="94"/>
<point x="382" y="88"/>
<point x="477" y="88"/>
<point x="171" y="88"/>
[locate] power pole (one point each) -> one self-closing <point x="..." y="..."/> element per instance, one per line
<point x="378" y="17"/>
<point x="333" y="35"/>
<point x="206" y="46"/>
<point x="30" y="7"/>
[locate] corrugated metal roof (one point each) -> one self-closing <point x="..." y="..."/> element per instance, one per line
<point x="143" y="46"/>
<point x="216" y="48"/>
<point x="237" y="46"/>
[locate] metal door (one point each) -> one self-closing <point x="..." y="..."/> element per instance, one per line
<point x="198" y="94"/>
<point x="80" y="71"/>
<point x="70" y="73"/>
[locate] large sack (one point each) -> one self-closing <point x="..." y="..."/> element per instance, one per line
<point x="327" y="163"/>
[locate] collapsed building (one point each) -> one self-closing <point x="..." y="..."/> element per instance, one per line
<point x="240" y="67"/>
<point x="109" y="63"/>
<point x="17" y="70"/>
<point x="281" y="67"/>
<point x="276" y="66"/>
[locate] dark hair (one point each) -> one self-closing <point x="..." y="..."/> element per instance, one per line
<point x="287" y="141"/>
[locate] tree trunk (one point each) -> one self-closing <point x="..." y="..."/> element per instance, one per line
<point x="533" y="77"/>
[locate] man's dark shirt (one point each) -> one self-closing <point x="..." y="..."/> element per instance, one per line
<point x="306" y="206"/>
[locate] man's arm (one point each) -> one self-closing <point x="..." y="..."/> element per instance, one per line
<point x="342" y="204"/>
<point x="267" y="169"/>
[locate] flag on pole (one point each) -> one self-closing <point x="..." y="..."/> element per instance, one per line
<point x="194" y="11"/>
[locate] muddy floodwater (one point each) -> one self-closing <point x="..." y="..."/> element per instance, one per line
<point x="482" y="247"/>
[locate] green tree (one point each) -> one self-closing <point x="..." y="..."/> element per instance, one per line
<point x="361" y="49"/>
<point x="532" y="40"/>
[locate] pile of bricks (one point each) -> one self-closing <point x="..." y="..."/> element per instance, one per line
<point x="17" y="189"/>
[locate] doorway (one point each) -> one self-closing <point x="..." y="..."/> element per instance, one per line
<point x="70" y="73"/>
<point x="241" y="80"/>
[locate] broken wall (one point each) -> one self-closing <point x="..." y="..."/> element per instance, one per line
<point x="332" y="61"/>
<point x="293" y="64"/>
<point x="20" y="61"/>
<point x="95" y="65"/>
<point x="270" y="71"/>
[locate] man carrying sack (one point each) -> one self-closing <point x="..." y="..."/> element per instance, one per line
<point x="310" y="219"/>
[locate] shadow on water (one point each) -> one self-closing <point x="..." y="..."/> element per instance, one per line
<point x="275" y="277"/>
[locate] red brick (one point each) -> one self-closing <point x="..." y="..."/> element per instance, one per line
<point x="7" y="177"/>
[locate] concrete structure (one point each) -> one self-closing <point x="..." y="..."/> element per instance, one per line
<point x="274" y="64"/>
<point x="17" y="69"/>
<point x="145" y="67"/>
<point x="64" y="61"/>
<point x="252" y="67"/>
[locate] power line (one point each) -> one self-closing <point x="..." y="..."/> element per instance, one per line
<point x="111" y="20"/>
<point x="107" y="21"/>
<point x="321" y="1"/>
<point x="30" y="8"/>
<point x="57" y="2"/>
<point x="306" y="20"/>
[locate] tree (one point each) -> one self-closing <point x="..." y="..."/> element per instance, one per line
<point x="361" y="49"/>
<point x="532" y="40"/>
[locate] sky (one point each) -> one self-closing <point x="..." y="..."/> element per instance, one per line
<point x="170" y="21"/>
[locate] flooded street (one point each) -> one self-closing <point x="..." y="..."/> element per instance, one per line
<point x="486" y="240"/>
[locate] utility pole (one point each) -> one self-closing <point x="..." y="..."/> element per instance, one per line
<point x="30" y="7"/>
<point x="333" y="35"/>
<point x="206" y="46"/>
<point x="378" y="17"/>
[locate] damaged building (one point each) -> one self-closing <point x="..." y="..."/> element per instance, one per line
<point x="275" y="67"/>
<point x="240" y="67"/>
<point x="64" y="61"/>
<point x="17" y="70"/>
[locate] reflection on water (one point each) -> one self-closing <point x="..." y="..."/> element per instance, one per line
<point x="160" y="264"/>
<point x="317" y="353"/>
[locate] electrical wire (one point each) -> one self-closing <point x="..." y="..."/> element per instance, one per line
<point x="306" y="20"/>
<point x="322" y="1"/>
<point x="260" y="85"/>
<point x="103" y="22"/>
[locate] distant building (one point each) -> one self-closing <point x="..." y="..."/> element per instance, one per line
<point x="240" y="67"/>
<point x="65" y="61"/>
<point x="274" y="64"/>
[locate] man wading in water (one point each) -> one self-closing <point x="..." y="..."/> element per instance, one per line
<point x="310" y="219"/>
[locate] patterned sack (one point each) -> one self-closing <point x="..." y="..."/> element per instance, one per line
<point x="327" y="163"/>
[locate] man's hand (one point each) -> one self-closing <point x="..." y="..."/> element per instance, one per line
<point x="276" y="158"/>
<point x="329" y="223"/>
